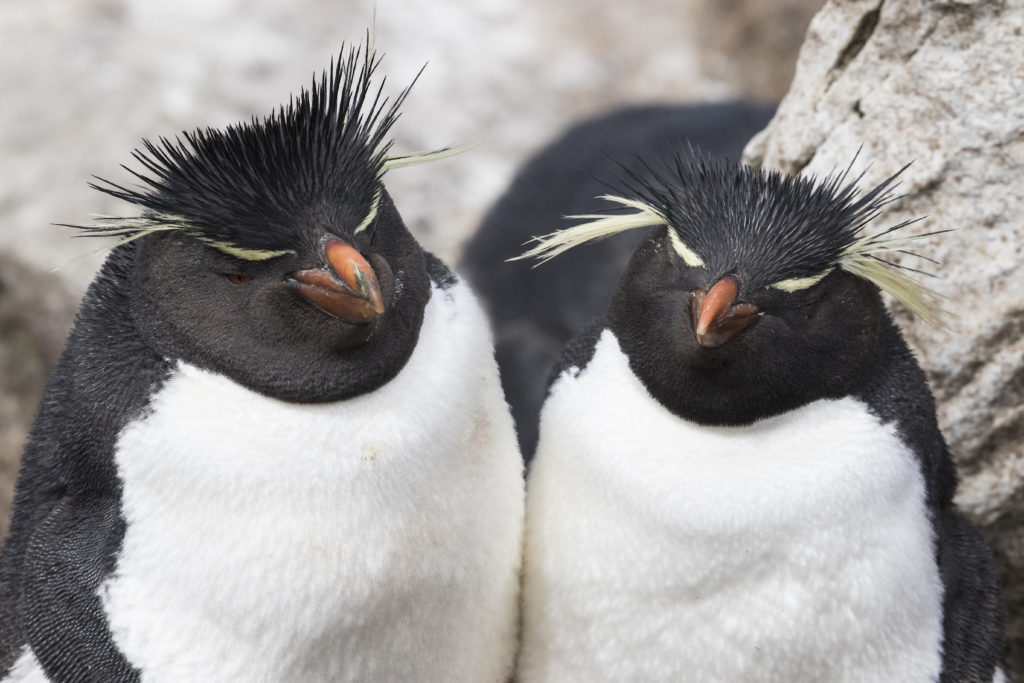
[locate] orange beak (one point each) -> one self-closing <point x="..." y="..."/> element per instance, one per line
<point x="347" y="289"/>
<point x="717" y="317"/>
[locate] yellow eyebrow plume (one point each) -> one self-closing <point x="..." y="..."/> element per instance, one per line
<point x="597" y="226"/>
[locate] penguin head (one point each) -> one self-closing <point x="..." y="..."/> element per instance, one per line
<point x="756" y="292"/>
<point x="270" y="251"/>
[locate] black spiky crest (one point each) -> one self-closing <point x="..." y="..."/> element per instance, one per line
<point x="774" y="229"/>
<point x="249" y="189"/>
<point x="778" y="226"/>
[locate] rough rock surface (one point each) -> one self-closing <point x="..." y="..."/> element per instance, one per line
<point x="939" y="84"/>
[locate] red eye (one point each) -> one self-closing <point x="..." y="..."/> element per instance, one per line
<point x="236" y="279"/>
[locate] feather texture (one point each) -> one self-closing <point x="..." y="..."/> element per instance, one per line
<point x="595" y="227"/>
<point x="773" y="229"/>
<point x="414" y="158"/>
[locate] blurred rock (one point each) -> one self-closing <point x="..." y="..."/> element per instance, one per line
<point x="753" y="44"/>
<point x="35" y="314"/>
<point x="939" y="84"/>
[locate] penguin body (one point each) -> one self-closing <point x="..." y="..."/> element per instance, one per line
<point x="296" y="467"/>
<point x="364" y="567"/>
<point x="739" y="475"/>
<point x="723" y="553"/>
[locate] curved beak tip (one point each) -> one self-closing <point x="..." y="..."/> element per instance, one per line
<point x="347" y="289"/>
<point x="363" y="280"/>
<point x="710" y="307"/>
<point x="717" y="317"/>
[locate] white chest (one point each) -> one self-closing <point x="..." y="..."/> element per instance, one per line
<point x="795" y="549"/>
<point x="371" y="539"/>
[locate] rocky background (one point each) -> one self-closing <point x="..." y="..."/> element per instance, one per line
<point x="939" y="83"/>
<point x="82" y="81"/>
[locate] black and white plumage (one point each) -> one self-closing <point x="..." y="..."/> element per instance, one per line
<point x="536" y="311"/>
<point x="275" y="447"/>
<point x="739" y="475"/>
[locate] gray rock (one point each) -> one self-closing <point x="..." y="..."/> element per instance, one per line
<point x="939" y="84"/>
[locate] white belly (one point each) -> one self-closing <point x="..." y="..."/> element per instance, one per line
<point x="373" y="539"/>
<point x="26" y="669"/>
<point x="796" y="549"/>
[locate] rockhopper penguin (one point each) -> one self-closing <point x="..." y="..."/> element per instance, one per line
<point x="739" y="475"/>
<point x="275" y="447"/>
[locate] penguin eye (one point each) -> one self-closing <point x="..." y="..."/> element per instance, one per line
<point x="237" y="278"/>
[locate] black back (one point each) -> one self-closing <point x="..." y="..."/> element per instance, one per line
<point x="66" y="528"/>
<point x="535" y="311"/>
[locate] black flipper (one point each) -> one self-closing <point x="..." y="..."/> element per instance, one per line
<point x="66" y="527"/>
<point x="897" y="392"/>
<point x="972" y="610"/>
<point x="71" y="552"/>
